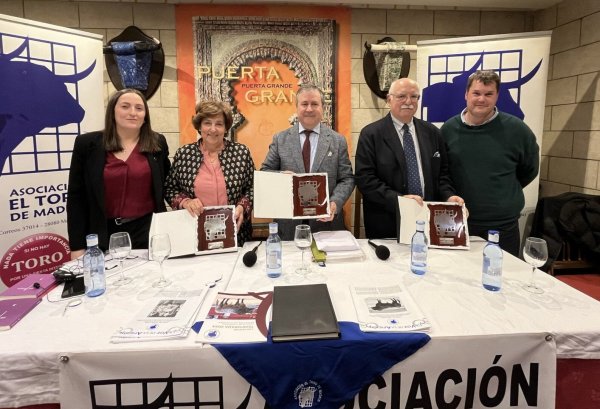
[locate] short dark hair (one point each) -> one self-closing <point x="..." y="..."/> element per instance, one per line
<point x="484" y="76"/>
<point x="148" y="138"/>
<point x="310" y="87"/>
<point x="206" y="109"/>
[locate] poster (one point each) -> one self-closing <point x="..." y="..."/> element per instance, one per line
<point x="50" y="91"/>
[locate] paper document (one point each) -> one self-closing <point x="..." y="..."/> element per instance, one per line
<point x="237" y="318"/>
<point x="337" y="240"/>
<point x="169" y="315"/>
<point x="445" y="223"/>
<point x="387" y="309"/>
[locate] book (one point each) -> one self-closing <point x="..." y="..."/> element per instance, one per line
<point x="303" y="312"/>
<point x="214" y="231"/>
<point x="12" y="310"/>
<point x="237" y="318"/>
<point x="387" y="309"/>
<point x="169" y="315"/>
<point x="291" y="196"/>
<point x="445" y="223"/>
<point x="31" y="286"/>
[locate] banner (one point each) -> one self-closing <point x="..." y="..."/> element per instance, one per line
<point x="499" y="371"/>
<point x="50" y="92"/>
<point x="521" y="60"/>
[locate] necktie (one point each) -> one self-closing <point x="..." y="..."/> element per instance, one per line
<point x="412" y="166"/>
<point x="306" y="150"/>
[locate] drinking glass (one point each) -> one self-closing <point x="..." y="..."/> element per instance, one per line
<point x="535" y="253"/>
<point x="160" y="249"/>
<point x="119" y="247"/>
<point x="303" y="239"/>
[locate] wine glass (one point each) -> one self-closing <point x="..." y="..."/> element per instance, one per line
<point x="160" y="248"/>
<point x="303" y="239"/>
<point x="535" y="253"/>
<point x="119" y="247"/>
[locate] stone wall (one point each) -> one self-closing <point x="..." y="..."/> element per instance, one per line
<point x="571" y="140"/>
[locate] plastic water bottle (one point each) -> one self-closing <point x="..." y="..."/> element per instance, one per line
<point x="418" y="250"/>
<point x="273" y="252"/>
<point x="94" y="277"/>
<point x="492" y="263"/>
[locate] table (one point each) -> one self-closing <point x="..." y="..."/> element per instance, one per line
<point x="450" y="294"/>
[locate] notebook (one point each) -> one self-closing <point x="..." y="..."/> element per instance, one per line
<point x="303" y="312"/>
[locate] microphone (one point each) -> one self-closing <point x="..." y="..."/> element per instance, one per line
<point x="249" y="258"/>
<point x="382" y="252"/>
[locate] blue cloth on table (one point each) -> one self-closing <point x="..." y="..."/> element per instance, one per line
<point x="328" y="372"/>
<point x="134" y="66"/>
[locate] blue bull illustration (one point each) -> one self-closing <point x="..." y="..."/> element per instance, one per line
<point x="33" y="98"/>
<point x="443" y="100"/>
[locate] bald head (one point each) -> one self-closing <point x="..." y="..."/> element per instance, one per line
<point x="403" y="99"/>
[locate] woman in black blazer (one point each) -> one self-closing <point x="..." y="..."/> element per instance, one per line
<point x="117" y="175"/>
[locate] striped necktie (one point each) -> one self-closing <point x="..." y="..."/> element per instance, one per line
<point x="306" y="150"/>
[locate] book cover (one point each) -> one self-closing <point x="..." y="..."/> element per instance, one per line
<point x="303" y="312"/>
<point x="291" y="196"/>
<point x="32" y="286"/>
<point x="446" y="223"/>
<point x="12" y="310"/>
<point x="237" y="318"/>
<point x="387" y="309"/>
<point x="214" y="231"/>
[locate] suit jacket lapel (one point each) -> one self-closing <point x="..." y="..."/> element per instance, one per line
<point x="96" y="166"/>
<point x="426" y="153"/>
<point x="323" y="143"/>
<point x="155" y="175"/>
<point x="392" y="139"/>
<point x="296" y="150"/>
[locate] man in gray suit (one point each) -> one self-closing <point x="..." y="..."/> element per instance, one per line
<point x="328" y="154"/>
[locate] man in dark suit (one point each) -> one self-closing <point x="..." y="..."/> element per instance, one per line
<point x="328" y="154"/>
<point x="383" y="171"/>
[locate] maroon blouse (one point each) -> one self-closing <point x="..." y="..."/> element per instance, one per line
<point x="127" y="186"/>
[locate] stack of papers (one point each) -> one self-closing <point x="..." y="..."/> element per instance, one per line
<point x="167" y="316"/>
<point x="387" y="309"/>
<point x="338" y="245"/>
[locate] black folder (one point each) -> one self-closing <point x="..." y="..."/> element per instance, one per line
<point x="303" y="312"/>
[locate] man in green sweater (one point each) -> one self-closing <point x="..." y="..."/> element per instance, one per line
<point x="492" y="156"/>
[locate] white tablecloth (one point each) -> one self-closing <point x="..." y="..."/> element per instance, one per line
<point x="450" y="295"/>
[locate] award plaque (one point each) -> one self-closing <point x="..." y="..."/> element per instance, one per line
<point x="447" y="227"/>
<point x="446" y="223"/>
<point x="310" y="196"/>
<point x="216" y="228"/>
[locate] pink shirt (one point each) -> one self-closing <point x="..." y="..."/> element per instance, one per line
<point x="209" y="185"/>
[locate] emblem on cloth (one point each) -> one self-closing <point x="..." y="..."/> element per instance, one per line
<point x="308" y="394"/>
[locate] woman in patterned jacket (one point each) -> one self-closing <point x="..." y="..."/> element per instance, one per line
<point x="213" y="171"/>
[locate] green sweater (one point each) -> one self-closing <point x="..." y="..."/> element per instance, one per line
<point x="490" y="165"/>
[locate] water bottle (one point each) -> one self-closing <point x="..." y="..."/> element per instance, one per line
<point x="93" y="268"/>
<point x="492" y="263"/>
<point x="273" y="252"/>
<point x="418" y="250"/>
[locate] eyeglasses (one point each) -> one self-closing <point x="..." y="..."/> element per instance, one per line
<point x="403" y="97"/>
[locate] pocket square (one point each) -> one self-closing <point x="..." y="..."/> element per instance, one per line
<point x="330" y="153"/>
<point x="436" y="154"/>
